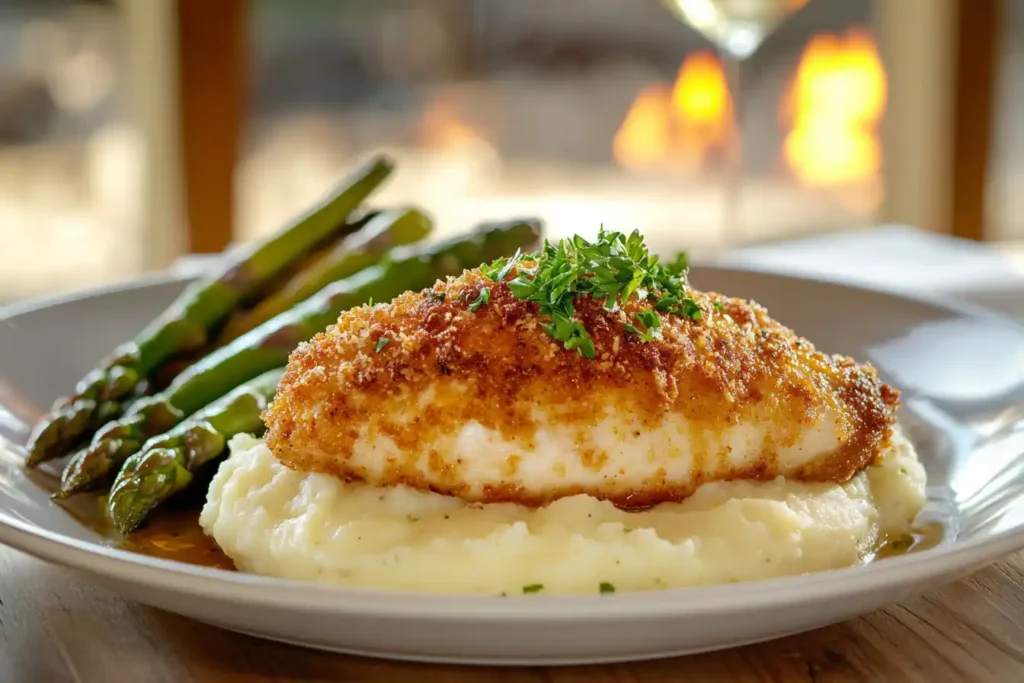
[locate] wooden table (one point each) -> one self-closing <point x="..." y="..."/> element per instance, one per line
<point x="56" y="628"/>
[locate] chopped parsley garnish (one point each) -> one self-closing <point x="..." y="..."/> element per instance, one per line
<point x="381" y="343"/>
<point x="438" y="297"/>
<point x="482" y="300"/>
<point x="500" y="269"/>
<point x="533" y="588"/>
<point x="651" y="324"/>
<point x="613" y="269"/>
<point x="606" y="588"/>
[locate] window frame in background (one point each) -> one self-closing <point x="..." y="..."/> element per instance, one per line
<point x="190" y="75"/>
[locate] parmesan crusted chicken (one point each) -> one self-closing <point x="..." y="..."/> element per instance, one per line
<point x="468" y="389"/>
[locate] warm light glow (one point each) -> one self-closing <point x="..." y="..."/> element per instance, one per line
<point x="701" y="96"/>
<point x="442" y="127"/>
<point x="645" y="136"/>
<point x="833" y="109"/>
<point x="677" y="128"/>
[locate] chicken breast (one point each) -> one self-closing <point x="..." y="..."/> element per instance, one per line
<point x="442" y="390"/>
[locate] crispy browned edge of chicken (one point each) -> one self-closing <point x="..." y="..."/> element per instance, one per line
<point x="735" y="363"/>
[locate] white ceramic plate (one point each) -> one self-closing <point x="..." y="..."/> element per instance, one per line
<point x="961" y="372"/>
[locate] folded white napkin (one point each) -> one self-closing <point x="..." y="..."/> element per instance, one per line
<point x="897" y="258"/>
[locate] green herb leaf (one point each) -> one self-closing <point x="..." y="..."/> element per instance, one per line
<point x="533" y="588"/>
<point x="438" y="297"/>
<point x="606" y="588"/>
<point x="649" y="319"/>
<point x="481" y="300"/>
<point x="381" y="343"/>
<point x="522" y="288"/>
<point x="583" y="345"/>
<point x="651" y="323"/>
<point x="500" y="268"/>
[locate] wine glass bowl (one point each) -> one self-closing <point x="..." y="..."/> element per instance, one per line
<point x="737" y="28"/>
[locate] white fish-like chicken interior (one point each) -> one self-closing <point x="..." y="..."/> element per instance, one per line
<point x="566" y="421"/>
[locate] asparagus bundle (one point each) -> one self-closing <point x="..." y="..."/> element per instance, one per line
<point x="269" y="345"/>
<point x="386" y="230"/>
<point x="167" y="463"/>
<point x="187" y="323"/>
<point x="175" y="364"/>
<point x="141" y="418"/>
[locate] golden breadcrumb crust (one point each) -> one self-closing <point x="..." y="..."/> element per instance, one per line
<point x="493" y="365"/>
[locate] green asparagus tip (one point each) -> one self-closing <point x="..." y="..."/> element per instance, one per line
<point x="52" y="438"/>
<point x="88" y="469"/>
<point x="128" y="510"/>
<point x="147" y="479"/>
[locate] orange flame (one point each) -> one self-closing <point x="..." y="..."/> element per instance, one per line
<point x="677" y="127"/>
<point x="442" y="127"/>
<point x="645" y="136"/>
<point x="835" y="103"/>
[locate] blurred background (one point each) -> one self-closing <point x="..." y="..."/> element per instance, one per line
<point x="134" y="132"/>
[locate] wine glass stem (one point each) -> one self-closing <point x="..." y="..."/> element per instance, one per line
<point x="732" y="227"/>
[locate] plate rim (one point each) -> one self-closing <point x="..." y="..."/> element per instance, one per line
<point x="38" y="303"/>
<point x="276" y="593"/>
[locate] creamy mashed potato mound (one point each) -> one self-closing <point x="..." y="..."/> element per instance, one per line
<point x="275" y="521"/>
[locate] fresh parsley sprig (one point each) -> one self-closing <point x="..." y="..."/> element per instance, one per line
<point x="613" y="269"/>
<point x="481" y="300"/>
<point x="651" y="323"/>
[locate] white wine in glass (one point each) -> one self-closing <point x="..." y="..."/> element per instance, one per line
<point x="737" y="28"/>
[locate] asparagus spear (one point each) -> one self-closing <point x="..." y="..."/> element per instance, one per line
<point x="166" y="464"/>
<point x="188" y="321"/>
<point x="388" y="229"/>
<point x="272" y="286"/>
<point x="269" y="345"/>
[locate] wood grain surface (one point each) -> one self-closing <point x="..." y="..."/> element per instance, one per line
<point x="55" y="627"/>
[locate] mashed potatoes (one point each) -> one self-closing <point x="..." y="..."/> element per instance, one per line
<point x="275" y="521"/>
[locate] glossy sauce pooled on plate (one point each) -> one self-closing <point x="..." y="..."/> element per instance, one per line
<point x="174" y="534"/>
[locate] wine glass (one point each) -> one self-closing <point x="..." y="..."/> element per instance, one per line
<point x="737" y="28"/>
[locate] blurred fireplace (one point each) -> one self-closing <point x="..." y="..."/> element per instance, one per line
<point x="605" y="112"/>
<point x="608" y="111"/>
